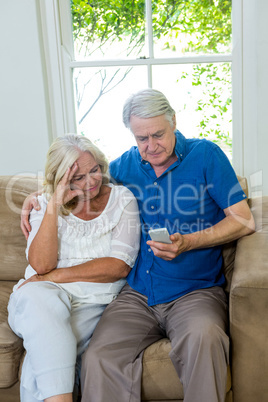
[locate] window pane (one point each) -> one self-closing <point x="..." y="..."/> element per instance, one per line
<point x="116" y="29"/>
<point x="201" y="96"/>
<point x="100" y="95"/>
<point x="104" y="29"/>
<point x="191" y="26"/>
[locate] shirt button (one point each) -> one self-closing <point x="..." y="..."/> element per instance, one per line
<point x="147" y="272"/>
<point x="149" y="250"/>
<point x="155" y="183"/>
<point x="152" y="207"/>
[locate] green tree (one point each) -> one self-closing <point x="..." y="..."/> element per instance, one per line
<point x="187" y="26"/>
<point x="206" y="22"/>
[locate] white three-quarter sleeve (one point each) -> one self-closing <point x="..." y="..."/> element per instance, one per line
<point x="125" y="242"/>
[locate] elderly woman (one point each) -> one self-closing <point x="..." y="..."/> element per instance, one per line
<point x="83" y="243"/>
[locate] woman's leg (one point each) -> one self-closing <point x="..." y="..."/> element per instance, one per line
<point x="40" y="314"/>
<point x="112" y="364"/>
<point x="84" y="319"/>
<point x="60" y="398"/>
<point x="27" y="396"/>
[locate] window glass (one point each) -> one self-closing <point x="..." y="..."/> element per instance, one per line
<point x="100" y="94"/>
<point x="105" y="32"/>
<point x="191" y="27"/>
<point x="104" y="29"/>
<point x="201" y="95"/>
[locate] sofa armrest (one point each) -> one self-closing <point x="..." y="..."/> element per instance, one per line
<point x="248" y="311"/>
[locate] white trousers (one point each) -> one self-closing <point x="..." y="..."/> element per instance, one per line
<point x="56" y="327"/>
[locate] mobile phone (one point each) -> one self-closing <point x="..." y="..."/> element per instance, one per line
<point x="160" y="235"/>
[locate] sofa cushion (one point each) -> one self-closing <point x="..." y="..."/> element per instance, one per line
<point x="13" y="191"/>
<point x="11" y="348"/>
<point x="159" y="378"/>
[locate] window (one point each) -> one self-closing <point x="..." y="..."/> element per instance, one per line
<point x="109" y="50"/>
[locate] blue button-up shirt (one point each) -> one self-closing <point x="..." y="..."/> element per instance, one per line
<point x="189" y="196"/>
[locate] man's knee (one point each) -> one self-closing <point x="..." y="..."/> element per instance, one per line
<point x="210" y="334"/>
<point x="204" y="336"/>
<point x="213" y="342"/>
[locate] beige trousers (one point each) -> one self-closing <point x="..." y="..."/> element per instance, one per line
<point x="196" y="324"/>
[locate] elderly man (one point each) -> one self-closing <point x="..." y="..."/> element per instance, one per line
<point x="174" y="290"/>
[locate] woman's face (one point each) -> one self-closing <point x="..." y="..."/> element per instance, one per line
<point x="88" y="176"/>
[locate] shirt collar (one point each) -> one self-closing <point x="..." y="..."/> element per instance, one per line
<point x="180" y="146"/>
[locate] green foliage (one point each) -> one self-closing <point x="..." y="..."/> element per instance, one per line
<point x="206" y="23"/>
<point x="215" y="103"/>
<point x="187" y="26"/>
<point x="99" y="22"/>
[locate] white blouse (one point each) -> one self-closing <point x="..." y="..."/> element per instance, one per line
<point x="114" y="233"/>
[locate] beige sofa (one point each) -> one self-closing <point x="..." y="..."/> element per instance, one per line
<point x="246" y="269"/>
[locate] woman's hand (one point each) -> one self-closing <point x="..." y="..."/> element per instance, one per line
<point x="39" y="278"/>
<point x="64" y="192"/>
<point x="62" y="195"/>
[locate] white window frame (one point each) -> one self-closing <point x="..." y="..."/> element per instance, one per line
<point x="57" y="36"/>
<point x="58" y="49"/>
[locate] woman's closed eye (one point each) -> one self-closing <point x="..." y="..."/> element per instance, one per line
<point x="78" y="178"/>
<point x="95" y="170"/>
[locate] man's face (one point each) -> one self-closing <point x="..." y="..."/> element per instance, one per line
<point x="155" y="138"/>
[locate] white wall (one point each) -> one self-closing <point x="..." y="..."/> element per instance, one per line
<point x="251" y="144"/>
<point x="24" y="109"/>
<point x="255" y="92"/>
<point x="24" y="121"/>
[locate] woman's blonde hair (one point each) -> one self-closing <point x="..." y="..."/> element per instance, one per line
<point x="62" y="154"/>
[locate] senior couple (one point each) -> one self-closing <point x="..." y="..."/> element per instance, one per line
<point x="87" y="237"/>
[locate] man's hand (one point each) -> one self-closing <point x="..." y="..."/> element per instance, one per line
<point x="180" y="244"/>
<point x="31" y="202"/>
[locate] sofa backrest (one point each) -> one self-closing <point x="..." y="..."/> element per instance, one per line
<point x="13" y="191"/>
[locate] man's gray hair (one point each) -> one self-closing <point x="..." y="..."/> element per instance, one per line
<point x="145" y="104"/>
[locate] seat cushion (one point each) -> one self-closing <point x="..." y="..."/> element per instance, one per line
<point x="11" y="347"/>
<point x="159" y="379"/>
